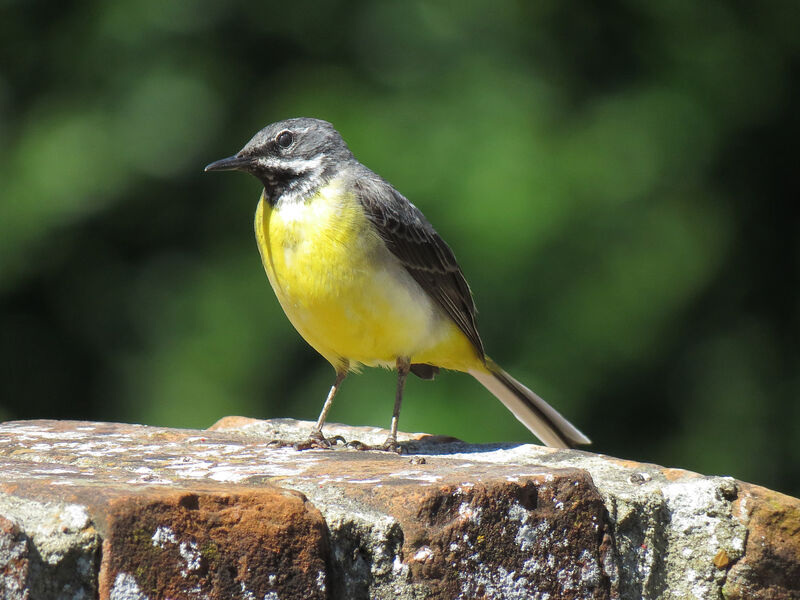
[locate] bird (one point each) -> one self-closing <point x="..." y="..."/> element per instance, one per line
<point x="364" y="277"/>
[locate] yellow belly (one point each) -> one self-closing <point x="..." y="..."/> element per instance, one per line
<point x="345" y="293"/>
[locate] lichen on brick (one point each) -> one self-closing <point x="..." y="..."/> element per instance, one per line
<point x="502" y="539"/>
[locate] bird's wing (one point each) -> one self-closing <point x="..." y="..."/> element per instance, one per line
<point x="424" y="254"/>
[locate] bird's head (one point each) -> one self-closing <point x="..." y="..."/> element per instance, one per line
<point x="294" y="156"/>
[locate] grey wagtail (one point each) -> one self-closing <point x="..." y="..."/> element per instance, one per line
<point x="364" y="277"/>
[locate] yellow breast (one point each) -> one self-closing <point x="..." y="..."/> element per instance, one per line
<point x="342" y="289"/>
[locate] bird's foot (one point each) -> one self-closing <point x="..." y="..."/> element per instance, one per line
<point x="312" y="444"/>
<point x="356" y="445"/>
<point x="314" y="441"/>
<point x="318" y="441"/>
<point x="390" y="445"/>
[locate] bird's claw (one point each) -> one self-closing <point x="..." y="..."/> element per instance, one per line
<point x="356" y="445"/>
<point x="390" y="445"/>
<point x="317" y="441"/>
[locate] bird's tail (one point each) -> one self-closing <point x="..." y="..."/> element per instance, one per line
<point x="543" y="420"/>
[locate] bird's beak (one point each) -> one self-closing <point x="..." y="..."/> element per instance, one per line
<point x="232" y="163"/>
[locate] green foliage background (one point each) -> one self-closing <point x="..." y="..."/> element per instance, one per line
<point x="615" y="179"/>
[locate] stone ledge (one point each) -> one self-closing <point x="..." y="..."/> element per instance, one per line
<point x="132" y="512"/>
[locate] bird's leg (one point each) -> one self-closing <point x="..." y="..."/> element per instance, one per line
<point x="403" y="367"/>
<point x="317" y="431"/>
<point x="316" y="439"/>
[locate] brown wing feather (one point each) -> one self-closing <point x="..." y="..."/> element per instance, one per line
<point x="425" y="255"/>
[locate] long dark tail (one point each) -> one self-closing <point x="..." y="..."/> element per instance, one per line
<point x="543" y="420"/>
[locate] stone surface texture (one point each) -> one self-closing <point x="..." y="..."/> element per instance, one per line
<point x="130" y="512"/>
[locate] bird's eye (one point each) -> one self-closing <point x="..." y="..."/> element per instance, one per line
<point x="284" y="139"/>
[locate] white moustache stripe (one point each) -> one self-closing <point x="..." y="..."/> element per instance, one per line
<point x="295" y="165"/>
